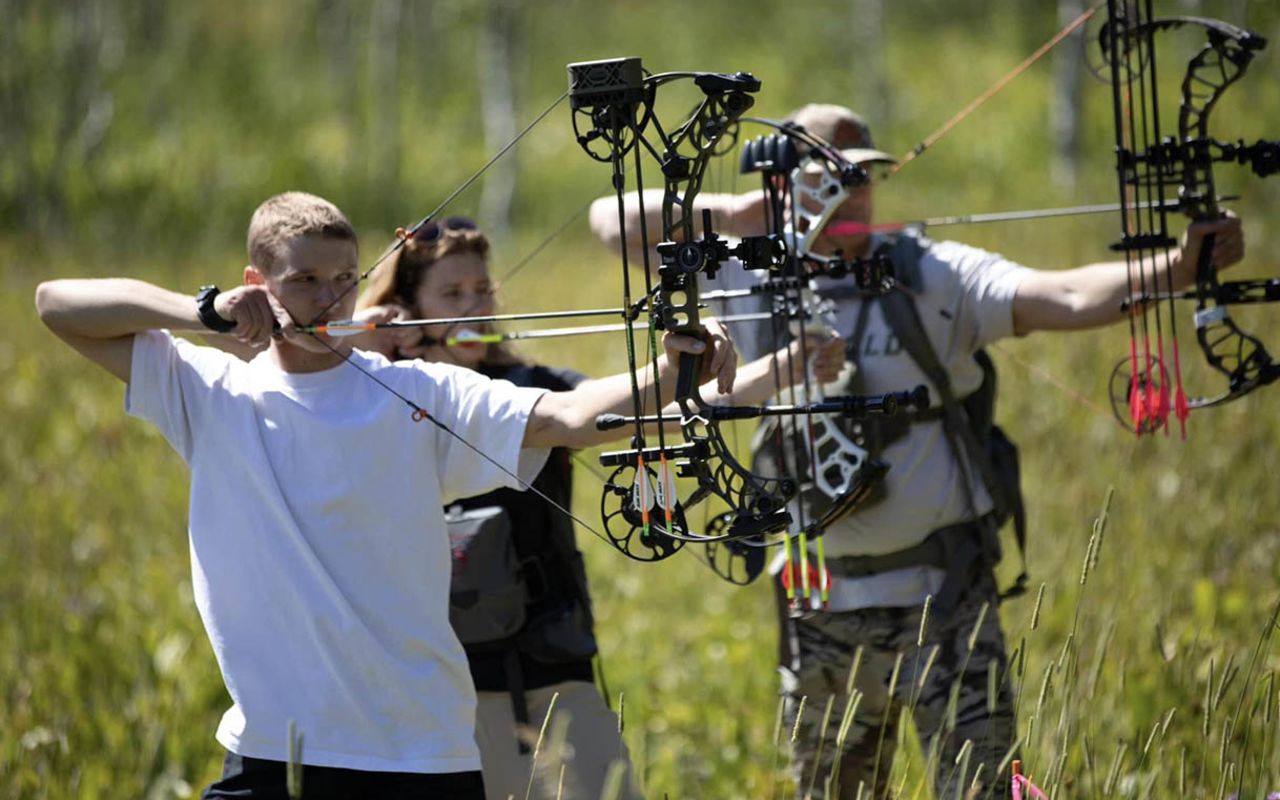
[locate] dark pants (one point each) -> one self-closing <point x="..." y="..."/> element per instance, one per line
<point x="265" y="780"/>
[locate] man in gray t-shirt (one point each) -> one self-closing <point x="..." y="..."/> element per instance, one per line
<point x="966" y="298"/>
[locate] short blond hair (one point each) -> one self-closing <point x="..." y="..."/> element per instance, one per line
<point x="289" y="216"/>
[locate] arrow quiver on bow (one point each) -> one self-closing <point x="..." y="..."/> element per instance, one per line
<point x="1150" y="165"/>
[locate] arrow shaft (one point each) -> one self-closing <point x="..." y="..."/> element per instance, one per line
<point x="585" y="330"/>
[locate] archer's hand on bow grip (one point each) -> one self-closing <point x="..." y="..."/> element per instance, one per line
<point x="718" y="360"/>
<point x="825" y="354"/>
<point x="1228" y="245"/>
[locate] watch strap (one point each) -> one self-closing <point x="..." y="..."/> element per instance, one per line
<point x="208" y="315"/>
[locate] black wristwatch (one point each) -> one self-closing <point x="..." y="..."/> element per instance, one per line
<point x="211" y="319"/>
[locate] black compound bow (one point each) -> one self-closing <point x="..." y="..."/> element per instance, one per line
<point x="613" y="105"/>
<point x="1150" y="165"/>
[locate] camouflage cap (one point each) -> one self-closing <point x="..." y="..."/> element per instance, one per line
<point x="843" y="128"/>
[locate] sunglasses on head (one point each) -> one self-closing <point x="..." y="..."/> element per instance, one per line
<point x="432" y="230"/>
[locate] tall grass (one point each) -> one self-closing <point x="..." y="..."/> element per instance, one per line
<point x="1144" y="665"/>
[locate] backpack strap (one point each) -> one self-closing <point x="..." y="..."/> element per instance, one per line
<point x="903" y="317"/>
<point x="519" y="700"/>
<point x="853" y="347"/>
<point x="905" y="251"/>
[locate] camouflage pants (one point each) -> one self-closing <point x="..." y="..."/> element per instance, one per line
<point x="944" y="686"/>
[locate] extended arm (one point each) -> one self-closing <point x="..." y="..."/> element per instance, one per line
<point x="99" y="317"/>
<point x="567" y="419"/>
<point x="1092" y="295"/>
<point x="759" y="380"/>
<point x="731" y="214"/>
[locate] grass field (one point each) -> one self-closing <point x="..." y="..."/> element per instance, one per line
<point x="1155" y="673"/>
<point x="1145" y="664"/>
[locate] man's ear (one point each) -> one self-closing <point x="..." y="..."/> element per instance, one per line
<point x="253" y="276"/>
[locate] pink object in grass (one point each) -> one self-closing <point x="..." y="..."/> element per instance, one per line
<point x="1021" y="783"/>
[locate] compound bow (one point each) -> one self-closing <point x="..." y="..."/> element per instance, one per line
<point x="613" y="105"/>
<point x="804" y="180"/>
<point x="1150" y="165"/>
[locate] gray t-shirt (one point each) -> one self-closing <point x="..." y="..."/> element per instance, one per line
<point x="965" y="302"/>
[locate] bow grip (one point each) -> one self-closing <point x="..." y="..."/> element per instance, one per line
<point x="690" y="366"/>
<point x="610" y="422"/>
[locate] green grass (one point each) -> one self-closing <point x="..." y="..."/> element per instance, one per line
<point x="108" y="680"/>
<point x="1155" y="677"/>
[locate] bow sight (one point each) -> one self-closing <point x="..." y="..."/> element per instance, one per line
<point x="802" y="208"/>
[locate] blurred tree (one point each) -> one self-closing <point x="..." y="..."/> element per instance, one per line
<point x="336" y="37"/>
<point x="495" y="60"/>
<point x="57" y="105"/>
<point x="1068" y="64"/>
<point x="383" y="101"/>
<point x="867" y="58"/>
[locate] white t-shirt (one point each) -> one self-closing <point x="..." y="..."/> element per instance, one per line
<point x="965" y="303"/>
<point x="319" y="554"/>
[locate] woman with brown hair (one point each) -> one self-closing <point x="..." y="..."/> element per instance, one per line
<point x="519" y="600"/>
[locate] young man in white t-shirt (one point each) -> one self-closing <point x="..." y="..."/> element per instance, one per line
<point x="966" y="299"/>
<point x="319" y="552"/>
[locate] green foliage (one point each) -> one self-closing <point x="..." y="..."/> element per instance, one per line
<point x="140" y="136"/>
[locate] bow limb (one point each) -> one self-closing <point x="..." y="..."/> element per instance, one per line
<point x="1237" y="355"/>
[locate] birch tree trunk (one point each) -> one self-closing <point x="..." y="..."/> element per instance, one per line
<point x="384" y="87"/>
<point x="335" y="35"/>
<point x="867" y="42"/>
<point x="494" y="59"/>
<point x="1068" y="69"/>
